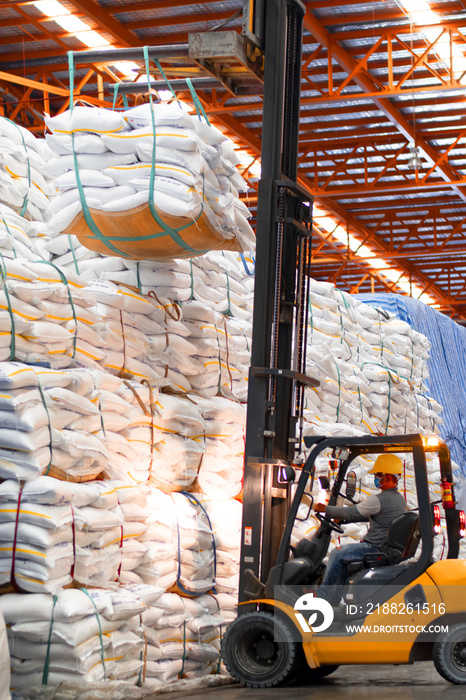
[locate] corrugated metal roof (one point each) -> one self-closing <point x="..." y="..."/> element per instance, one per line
<point x="354" y="145"/>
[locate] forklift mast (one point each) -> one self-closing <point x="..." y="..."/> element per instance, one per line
<point x="277" y="377"/>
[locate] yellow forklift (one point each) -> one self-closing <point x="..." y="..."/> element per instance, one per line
<point x="390" y="613"/>
<point x="283" y="629"/>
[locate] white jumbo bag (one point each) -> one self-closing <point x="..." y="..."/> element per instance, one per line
<point x="88" y="177"/>
<point x="164" y="114"/>
<point x="91" y="119"/>
<point x="167" y="136"/>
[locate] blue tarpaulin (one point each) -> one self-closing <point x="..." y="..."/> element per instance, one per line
<point x="446" y="365"/>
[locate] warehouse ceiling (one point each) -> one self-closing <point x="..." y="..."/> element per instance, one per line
<point x="382" y="132"/>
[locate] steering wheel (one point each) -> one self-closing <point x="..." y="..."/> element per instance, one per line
<point x="331" y="523"/>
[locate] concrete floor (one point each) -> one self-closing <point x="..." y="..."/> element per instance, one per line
<point x="349" y="683"/>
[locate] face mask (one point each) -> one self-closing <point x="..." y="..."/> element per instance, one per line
<point x="376" y="482"/>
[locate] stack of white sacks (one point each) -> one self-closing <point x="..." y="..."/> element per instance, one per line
<point x="24" y="182"/>
<point x="138" y="635"/>
<point x="184" y="327"/>
<point x="108" y="534"/>
<point x="371" y="367"/>
<point x="195" y="167"/>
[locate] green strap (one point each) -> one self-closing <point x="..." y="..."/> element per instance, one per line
<point x="197" y="103"/>
<point x="166" y="230"/>
<point x="71" y="77"/>
<point x="191" y="298"/>
<point x="96" y="613"/>
<point x="219" y="385"/>
<point x="360" y="402"/>
<point x="141" y="677"/>
<point x="162" y="73"/>
<point x="174" y="233"/>
<point x="180" y="675"/>
<point x="359" y="395"/>
<point x="138" y="278"/>
<point x="42" y="396"/>
<point x="228" y="312"/>
<point x="45" y="674"/>
<point x="102" y="419"/>
<point x="87" y="214"/>
<point x="4" y="276"/>
<point x="70" y="298"/>
<point x="70" y="241"/>
<point x="116" y="87"/>
<point x="389" y="403"/>
<point x="26" y="198"/>
<point x="11" y="235"/>
<point x="339" y="393"/>
<point x="343" y="297"/>
<point x="389" y="370"/>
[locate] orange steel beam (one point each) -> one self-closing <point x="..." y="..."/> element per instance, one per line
<point x="50" y="89"/>
<point x="183" y="19"/>
<point x="107" y="22"/>
<point x="361" y="189"/>
<point x="357" y="70"/>
<point x="367" y="82"/>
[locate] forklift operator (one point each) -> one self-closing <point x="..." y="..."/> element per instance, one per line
<point x="379" y="510"/>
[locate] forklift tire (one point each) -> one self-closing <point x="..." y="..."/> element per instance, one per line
<point x="314" y="675"/>
<point x="259" y="650"/>
<point x="449" y="655"/>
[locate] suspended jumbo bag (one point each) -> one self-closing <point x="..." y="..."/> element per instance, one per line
<point x="135" y="234"/>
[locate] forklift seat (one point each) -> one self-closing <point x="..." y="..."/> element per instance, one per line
<point x="402" y="538"/>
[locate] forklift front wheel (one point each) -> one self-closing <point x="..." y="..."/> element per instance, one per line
<point x="449" y="655"/>
<point x="258" y="650"/>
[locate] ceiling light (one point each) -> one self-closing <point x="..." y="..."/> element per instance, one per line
<point x="92" y="39"/>
<point x="385" y="269"/>
<point x="414" y="161"/>
<point x="127" y="68"/>
<point x="51" y="8"/>
<point x="421" y="13"/>
<point x="250" y="163"/>
<point x="72" y="24"/>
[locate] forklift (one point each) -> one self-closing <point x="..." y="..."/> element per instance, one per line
<point x="272" y="642"/>
<point x="390" y="613"/>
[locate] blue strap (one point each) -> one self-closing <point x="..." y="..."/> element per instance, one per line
<point x="195" y="501"/>
<point x="243" y="260"/>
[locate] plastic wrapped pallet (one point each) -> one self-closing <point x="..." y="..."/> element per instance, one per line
<point x="162" y="190"/>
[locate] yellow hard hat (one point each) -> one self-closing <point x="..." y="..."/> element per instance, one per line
<point x="387" y="464"/>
